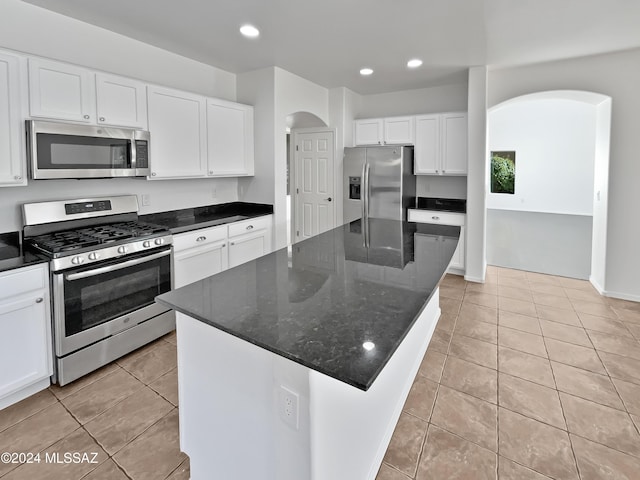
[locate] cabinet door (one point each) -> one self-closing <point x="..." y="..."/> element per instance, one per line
<point x="25" y="343"/>
<point x="177" y="123"/>
<point x="427" y="144"/>
<point x="61" y="91"/>
<point x="368" y="131"/>
<point x="229" y="138"/>
<point x="454" y="144"/>
<point x="399" y="130"/>
<point x="248" y="247"/>
<point x="457" y="261"/>
<point x="197" y="263"/>
<point x="12" y="165"/>
<point x="121" y="101"/>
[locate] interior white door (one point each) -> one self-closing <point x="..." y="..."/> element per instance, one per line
<point x="314" y="183"/>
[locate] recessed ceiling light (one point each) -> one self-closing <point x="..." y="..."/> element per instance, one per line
<point x="368" y="346"/>
<point x="249" y="31"/>
<point x="366" y="71"/>
<point x="415" y="63"/>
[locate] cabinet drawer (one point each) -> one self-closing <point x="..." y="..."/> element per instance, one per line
<point x="248" y="226"/>
<point x="434" y="216"/>
<point x="198" y="238"/>
<point x="23" y="280"/>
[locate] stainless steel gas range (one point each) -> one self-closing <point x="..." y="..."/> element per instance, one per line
<point x="106" y="269"/>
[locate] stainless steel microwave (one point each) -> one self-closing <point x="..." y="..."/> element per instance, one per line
<point x="63" y="150"/>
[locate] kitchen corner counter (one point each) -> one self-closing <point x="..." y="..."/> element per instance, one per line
<point x="319" y="301"/>
<point x="187" y="219"/>
<point x="12" y="256"/>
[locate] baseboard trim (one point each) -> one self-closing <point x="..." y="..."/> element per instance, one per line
<point x="620" y="295"/>
<point x="469" y="278"/>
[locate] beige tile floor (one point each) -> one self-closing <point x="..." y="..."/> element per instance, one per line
<point x="527" y="376"/>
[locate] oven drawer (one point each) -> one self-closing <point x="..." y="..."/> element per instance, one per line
<point x="248" y="226"/>
<point x="199" y="238"/>
<point x="22" y="281"/>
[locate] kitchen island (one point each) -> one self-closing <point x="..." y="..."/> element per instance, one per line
<point x="295" y="366"/>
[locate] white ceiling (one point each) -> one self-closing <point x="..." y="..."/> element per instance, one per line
<point x="328" y="41"/>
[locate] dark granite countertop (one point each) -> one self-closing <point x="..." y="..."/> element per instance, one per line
<point x="12" y="256"/>
<point x="319" y="301"/>
<point x="442" y="204"/>
<point x="187" y="219"/>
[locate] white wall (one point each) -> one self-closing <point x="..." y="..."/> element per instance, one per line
<point x="32" y="30"/>
<point x="445" y="98"/>
<point x="276" y="94"/>
<point x="343" y="103"/>
<point x="476" y="259"/>
<point x="601" y="203"/>
<point x="554" y="141"/>
<point x="618" y="76"/>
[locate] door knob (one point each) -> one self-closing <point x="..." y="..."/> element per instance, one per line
<point x="328" y="199"/>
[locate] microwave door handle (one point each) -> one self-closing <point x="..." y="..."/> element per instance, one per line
<point x="119" y="266"/>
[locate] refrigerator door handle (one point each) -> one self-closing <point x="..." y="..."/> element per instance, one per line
<point x="365" y="187"/>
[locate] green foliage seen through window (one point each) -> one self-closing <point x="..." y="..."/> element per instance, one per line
<point x="503" y="172"/>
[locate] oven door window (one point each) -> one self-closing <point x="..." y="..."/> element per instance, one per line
<point x="95" y="299"/>
<point x="57" y="152"/>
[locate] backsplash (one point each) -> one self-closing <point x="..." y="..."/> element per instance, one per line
<point x="163" y="194"/>
<point x="441" y="186"/>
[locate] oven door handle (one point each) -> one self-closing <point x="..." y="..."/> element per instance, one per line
<point x="119" y="266"/>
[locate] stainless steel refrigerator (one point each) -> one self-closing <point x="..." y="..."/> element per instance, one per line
<point x="378" y="182"/>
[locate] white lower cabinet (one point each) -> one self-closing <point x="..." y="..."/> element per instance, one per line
<point x="199" y="254"/>
<point x="457" y="264"/>
<point x="204" y="252"/>
<point x="25" y="333"/>
<point x="249" y="239"/>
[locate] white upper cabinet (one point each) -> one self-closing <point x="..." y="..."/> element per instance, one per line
<point x="454" y="144"/>
<point x="229" y="138"/>
<point x="441" y="144"/>
<point x="12" y="165"/>
<point x="66" y="92"/>
<point x="121" y="101"/>
<point x="384" y="131"/>
<point x="427" y="148"/>
<point x="368" y="131"/>
<point x="178" y="128"/>
<point x="398" y="130"/>
<point x="61" y="91"/>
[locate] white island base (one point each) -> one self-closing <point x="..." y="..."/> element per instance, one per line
<point x="236" y="422"/>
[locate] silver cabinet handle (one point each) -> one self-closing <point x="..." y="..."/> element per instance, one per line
<point x="328" y="199"/>
<point x="224" y="245"/>
<point x="102" y="119"/>
<point x="249" y="227"/>
<point x="18" y="177"/>
<point x="201" y="239"/>
<point x="39" y="300"/>
<point x="435" y="218"/>
<point x="153" y="174"/>
<point x="232" y="243"/>
<point x="210" y="172"/>
<point x="87" y="117"/>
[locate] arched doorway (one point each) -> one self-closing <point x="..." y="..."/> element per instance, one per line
<point x="308" y="126"/>
<point x="555" y="218"/>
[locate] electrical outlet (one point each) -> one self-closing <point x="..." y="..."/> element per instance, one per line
<point x="288" y="406"/>
<point x="146" y="199"/>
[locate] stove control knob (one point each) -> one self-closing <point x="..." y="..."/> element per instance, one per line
<point x="146" y="244"/>
<point x="122" y="249"/>
<point x="159" y="241"/>
<point x="94" y="256"/>
<point x="77" y="260"/>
